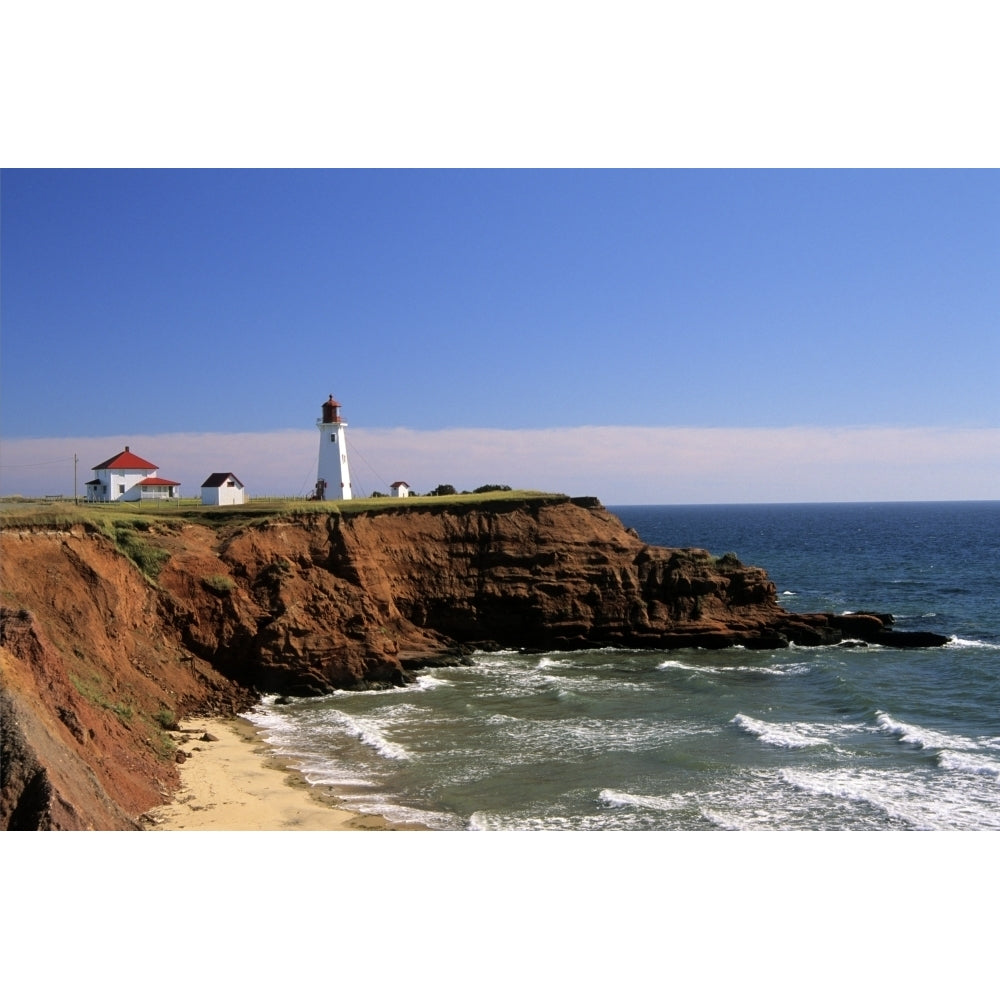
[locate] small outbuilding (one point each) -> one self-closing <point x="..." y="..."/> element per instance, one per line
<point x="222" y="489"/>
<point x="400" y="489"/>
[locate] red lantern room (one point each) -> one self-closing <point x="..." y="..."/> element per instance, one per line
<point x="331" y="411"/>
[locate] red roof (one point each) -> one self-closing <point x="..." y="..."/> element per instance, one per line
<point x="157" y="481"/>
<point x="126" y="460"/>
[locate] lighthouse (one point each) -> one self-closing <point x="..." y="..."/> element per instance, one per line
<point x="334" y="475"/>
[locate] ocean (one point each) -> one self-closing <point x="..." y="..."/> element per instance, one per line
<point x="846" y="737"/>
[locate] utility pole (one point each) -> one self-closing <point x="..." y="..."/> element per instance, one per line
<point x="75" y="501"/>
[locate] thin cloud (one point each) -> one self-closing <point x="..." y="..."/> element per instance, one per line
<point x="617" y="464"/>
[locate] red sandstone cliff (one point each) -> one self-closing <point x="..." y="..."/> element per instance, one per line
<point x="96" y="658"/>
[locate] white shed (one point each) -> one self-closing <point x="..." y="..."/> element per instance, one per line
<point x="222" y="489"/>
<point x="400" y="489"/>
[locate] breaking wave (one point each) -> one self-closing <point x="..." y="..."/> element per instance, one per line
<point x="786" y="735"/>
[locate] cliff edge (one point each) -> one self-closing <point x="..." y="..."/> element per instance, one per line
<point x="111" y="630"/>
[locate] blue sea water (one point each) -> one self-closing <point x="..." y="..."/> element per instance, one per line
<point x="848" y="737"/>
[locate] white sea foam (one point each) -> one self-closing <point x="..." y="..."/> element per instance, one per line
<point x="427" y="681"/>
<point x="480" y="821"/>
<point x="726" y="821"/>
<point x="958" y="803"/>
<point x="864" y="787"/>
<point x="952" y="760"/>
<point x="494" y="822"/>
<point x="717" y="670"/>
<point x="673" y="665"/>
<point x="868" y="797"/>
<point x="755" y="800"/>
<point x="659" y="803"/>
<point x="581" y="734"/>
<point x="321" y="769"/>
<point x="586" y="682"/>
<point x="289" y="740"/>
<point x="750" y="816"/>
<point x="370" y="733"/>
<point x="484" y="821"/>
<point x="499" y="719"/>
<point x="926" y="739"/>
<point x="785" y="735"/>
<point x="957" y="643"/>
<point x="328" y="776"/>
<point x="394" y="812"/>
<point x="271" y="721"/>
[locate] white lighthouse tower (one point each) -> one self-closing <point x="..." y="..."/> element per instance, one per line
<point x="334" y="475"/>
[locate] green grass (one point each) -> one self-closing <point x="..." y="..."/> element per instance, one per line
<point x="730" y="559"/>
<point x="465" y="500"/>
<point x="158" y="727"/>
<point x="218" y="583"/>
<point x="165" y="719"/>
<point x="154" y="728"/>
<point x="147" y="557"/>
<point x="94" y="691"/>
<point x="63" y="516"/>
<point x="132" y="527"/>
<point x="110" y="518"/>
<point x="123" y="527"/>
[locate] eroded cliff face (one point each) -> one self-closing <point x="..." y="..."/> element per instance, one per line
<point x="321" y="601"/>
<point x="90" y="671"/>
<point x="96" y="658"/>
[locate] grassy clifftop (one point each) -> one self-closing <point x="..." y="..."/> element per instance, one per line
<point x="28" y="513"/>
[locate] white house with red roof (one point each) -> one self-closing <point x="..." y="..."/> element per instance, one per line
<point x="126" y="476"/>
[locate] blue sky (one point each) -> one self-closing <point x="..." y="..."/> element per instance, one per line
<point x="640" y="335"/>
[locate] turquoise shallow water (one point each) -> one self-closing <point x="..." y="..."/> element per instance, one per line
<point x="849" y="737"/>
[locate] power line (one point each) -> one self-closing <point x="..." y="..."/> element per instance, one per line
<point x="36" y="465"/>
<point x="378" y="476"/>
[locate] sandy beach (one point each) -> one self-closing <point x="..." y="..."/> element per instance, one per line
<point x="230" y="781"/>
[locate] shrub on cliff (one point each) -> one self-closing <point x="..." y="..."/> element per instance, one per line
<point x="148" y="558"/>
<point x="165" y="719"/>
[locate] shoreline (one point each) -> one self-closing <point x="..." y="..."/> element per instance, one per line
<point x="230" y="781"/>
